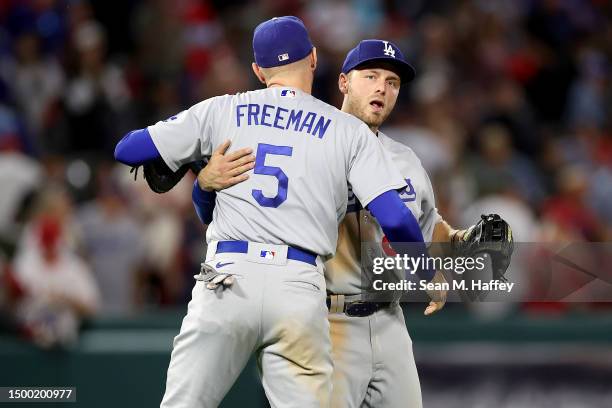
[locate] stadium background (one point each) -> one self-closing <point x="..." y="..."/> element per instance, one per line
<point x="510" y="112"/>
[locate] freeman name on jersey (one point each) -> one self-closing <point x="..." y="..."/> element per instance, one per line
<point x="254" y="114"/>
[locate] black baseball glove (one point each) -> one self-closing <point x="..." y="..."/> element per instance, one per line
<point x="161" y="178"/>
<point x="492" y="235"/>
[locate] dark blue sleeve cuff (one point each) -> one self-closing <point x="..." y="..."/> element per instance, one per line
<point x="204" y="203"/>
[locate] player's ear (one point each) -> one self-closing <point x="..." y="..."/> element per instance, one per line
<point x="343" y="81"/>
<point x="313" y="58"/>
<point x="258" y="73"/>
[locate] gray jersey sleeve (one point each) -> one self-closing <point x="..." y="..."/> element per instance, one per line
<point x="186" y="136"/>
<point x="430" y="217"/>
<point x="371" y="169"/>
<point x="419" y="195"/>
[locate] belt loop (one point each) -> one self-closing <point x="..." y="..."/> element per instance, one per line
<point x="211" y="250"/>
<point x="336" y="304"/>
<point x="333" y="303"/>
<point x="340" y="303"/>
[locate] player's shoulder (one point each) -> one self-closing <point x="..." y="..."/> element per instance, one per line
<point x="212" y="102"/>
<point x="349" y="129"/>
<point x="222" y="103"/>
<point x="236" y="97"/>
<point x="399" y="151"/>
<point x="343" y="117"/>
<point x="248" y="94"/>
<point x="263" y="95"/>
<point x="253" y="94"/>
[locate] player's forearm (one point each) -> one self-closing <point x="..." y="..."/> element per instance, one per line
<point x="443" y="232"/>
<point x="136" y="148"/>
<point x="203" y="202"/>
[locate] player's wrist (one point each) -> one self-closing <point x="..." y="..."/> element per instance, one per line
<point x="459" y="235"/>
<point x="456" y="236"/>
<point x="457" y="239"/>
<point x="204" y="186"/>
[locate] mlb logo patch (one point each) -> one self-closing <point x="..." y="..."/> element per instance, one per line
<point x="288" y="93"/>
<point x="283" y="57"/>
<point x="267" y="254"/>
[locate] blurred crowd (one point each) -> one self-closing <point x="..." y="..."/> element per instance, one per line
<point x="510" y="113"/>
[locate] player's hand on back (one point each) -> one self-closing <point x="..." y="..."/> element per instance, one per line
<point x="225" y="170"/>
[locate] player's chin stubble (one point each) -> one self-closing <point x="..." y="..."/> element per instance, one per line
<point x="362" y="112"/>
<point x="372" y="119"/>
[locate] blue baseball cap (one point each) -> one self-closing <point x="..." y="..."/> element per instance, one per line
<point x="379" y="50"/>
<point x="280" y="41"/>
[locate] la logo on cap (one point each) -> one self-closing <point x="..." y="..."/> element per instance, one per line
<point x="388" y="50"/>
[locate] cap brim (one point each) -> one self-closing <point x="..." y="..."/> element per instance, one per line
<point x="405" y="71"/>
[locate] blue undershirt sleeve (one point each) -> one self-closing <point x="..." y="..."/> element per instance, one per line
<point x="136" y="148"/>
<point x="399" y="225"/>
<point x="204" y="203"/>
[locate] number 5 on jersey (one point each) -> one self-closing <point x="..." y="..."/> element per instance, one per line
<point x="261" y="168"/>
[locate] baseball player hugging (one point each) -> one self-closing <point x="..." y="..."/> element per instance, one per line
<point x="366" y="335"/>
<point x="262" y="288"/>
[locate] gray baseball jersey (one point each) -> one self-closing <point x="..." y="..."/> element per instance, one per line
<point x="343" y="272"/>
<point x="306" y="150"/>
